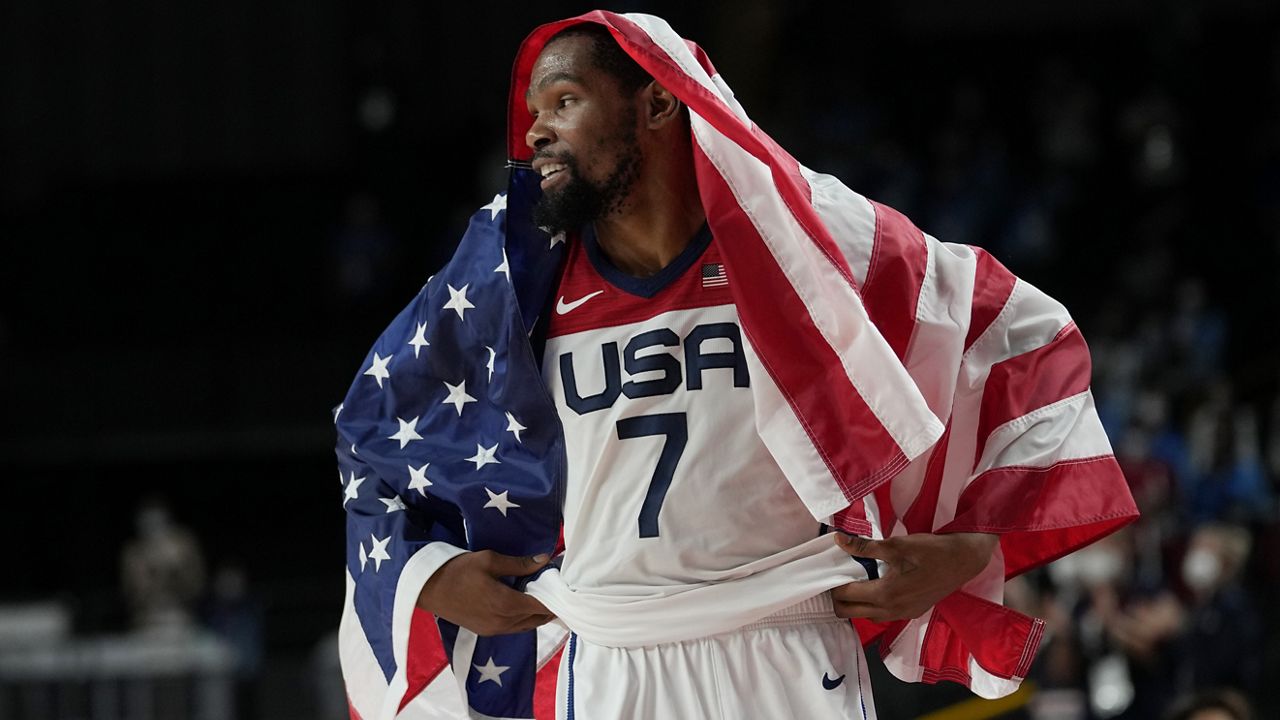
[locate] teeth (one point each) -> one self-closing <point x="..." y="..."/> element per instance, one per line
<point x="552" y="168"/>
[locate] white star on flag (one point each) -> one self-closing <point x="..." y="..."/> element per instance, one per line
<point x="418" y="478"/>
<point x="379" y="551"/>
<point x="499" y="501"/>
<point x="557" y="238"/>
<point x="364" y="559"/>
<point x="419" y="340"/>
<point x="353" y="489"/>
<point x="491" y="673"/>
<point x="393" y="503"/>
<point x="458" y="301"/>
<point x="484" y="456"/>
<point x="489" y="365"/>
<point x="504" y="268"/>
<point x="378" y="370"/>
<point x="495" y="206"/>
<point x="514" y="427"/>
<point x="406" y="433"/>
<point x="458" y="396"/>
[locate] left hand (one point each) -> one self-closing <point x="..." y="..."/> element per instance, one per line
<point x="922" y="569"/>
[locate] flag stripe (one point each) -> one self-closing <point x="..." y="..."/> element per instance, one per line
<point x="857" y="450"/>
<point x="1032" y="380"/>
<point x="993" y="284"/>
<point x="894" y="277"/>
<point x="1043" y="513"/>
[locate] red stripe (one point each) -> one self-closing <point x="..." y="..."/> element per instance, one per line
<point x="856" y="448"/>
<point x="544" y="689"/>
<point x="351" y="710"/>
<point x="992" y="286"/>
<point x="919" y="517"/>
<point x="426" y="658"/>
<point x="1033" y="380"/>
<point x="1042" y="514"/>
<point x="964" y="625"/>
<point x="895" y="274"/>
<point x="853" y="519"/>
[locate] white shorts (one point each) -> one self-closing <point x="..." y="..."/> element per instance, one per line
<point x="802" y="662"/>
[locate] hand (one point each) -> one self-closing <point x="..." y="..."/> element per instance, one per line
<point x="922" y="569"/>
<point x="466" y="591"/>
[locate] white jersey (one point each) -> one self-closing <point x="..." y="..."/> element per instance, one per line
<point x="669" y="485"/>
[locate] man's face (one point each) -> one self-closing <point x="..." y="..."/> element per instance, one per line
<point x="583" y="137"/>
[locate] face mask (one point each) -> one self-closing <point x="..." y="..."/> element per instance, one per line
<point x="1201" y="569"/>
<point x="1099" y="566"/>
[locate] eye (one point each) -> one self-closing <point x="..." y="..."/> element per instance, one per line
<point x="567" y="100"/>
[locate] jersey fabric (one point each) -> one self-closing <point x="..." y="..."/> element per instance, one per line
<point x="667" y="477"/>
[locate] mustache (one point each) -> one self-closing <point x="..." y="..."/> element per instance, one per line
<point x="566" y="158"/>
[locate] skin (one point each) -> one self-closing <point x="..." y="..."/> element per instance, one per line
<point x="577" y="112"/>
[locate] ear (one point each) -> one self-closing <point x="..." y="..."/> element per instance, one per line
<point x="661" y="107"/>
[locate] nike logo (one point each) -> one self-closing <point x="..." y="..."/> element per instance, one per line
<point x="563" y="308"/>
<point x="830" y="684"/>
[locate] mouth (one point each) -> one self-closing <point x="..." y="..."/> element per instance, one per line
<point x="553" y="174"/>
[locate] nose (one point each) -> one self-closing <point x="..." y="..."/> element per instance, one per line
<point x="538" y="136"/>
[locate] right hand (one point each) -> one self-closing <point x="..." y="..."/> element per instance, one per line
<point x="466" y="591"/>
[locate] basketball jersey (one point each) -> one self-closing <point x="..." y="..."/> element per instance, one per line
<point x="668" y="483"/>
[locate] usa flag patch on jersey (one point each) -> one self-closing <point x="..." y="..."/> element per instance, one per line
<point x="713" y="275"/>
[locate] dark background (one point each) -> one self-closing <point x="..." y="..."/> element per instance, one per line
<point x="209" y="210"/>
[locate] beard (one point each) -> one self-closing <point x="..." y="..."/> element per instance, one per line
<point x="581" y="201"/>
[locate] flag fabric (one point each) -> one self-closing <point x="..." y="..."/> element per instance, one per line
<point x="903" y="384"/>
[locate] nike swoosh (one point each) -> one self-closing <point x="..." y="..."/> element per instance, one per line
<point x="563" y="308"/>
<point x="830" y="684"/>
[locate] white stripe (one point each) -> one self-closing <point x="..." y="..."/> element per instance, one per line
<point x="835" y="307"/>
<point x="942" y="321"/>
<point x="985" y="685"/>
<point x="1066" y="430"/>
<point x="1029" y="319"/>
<point x="849" y="217"/>
<point x="464" y="650"/>
<point x="361" y="673"/>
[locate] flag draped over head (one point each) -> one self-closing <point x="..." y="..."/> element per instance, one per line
<point x="903" y="385"/>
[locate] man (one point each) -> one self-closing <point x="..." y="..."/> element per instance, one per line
<point x="722" y="406"/>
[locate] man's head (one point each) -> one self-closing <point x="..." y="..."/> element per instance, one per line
<point x="597" y="118"/>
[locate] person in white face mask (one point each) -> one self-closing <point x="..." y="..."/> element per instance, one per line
<point x="1222" y="644"/>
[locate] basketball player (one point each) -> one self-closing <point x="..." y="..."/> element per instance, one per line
<point x="643" y="290"/>
<point x="737" y="354"/>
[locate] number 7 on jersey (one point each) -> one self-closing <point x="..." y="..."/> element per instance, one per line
<point x="675" y="428"/>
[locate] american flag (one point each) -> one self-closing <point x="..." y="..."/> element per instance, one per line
<point x="953" y="397"/>
<point x="713" y="275"/>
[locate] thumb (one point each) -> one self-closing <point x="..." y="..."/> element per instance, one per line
<point x="517" y="565"/>
<point x="862" y="547"/>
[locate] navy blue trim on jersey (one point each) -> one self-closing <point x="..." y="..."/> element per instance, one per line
<point x="568" y="701"/>
<point x="645" y="287"/>
<point x="868" y="564"/>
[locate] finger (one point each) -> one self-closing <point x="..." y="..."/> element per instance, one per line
<point x="871" y="612"/>
<point x="865" y="591"/>
<point x="862" y="547"/>
<point x="515" y="566"/>
<point x="533" y="622"/>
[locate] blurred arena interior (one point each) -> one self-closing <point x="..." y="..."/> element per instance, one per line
<point x="210" y="209"/>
